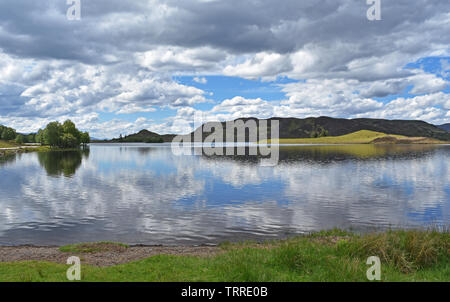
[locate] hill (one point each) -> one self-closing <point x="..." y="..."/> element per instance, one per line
<point x="360" y="137"/>
<point x="445" y="127"/>
<point x="143" y="136"/>
<point x="293" y="128"/>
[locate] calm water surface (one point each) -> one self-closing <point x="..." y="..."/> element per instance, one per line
<point x="143" y="194"/>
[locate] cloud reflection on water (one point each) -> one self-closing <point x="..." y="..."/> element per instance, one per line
<point x="144" y="194"/>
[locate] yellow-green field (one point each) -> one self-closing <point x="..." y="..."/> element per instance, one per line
<point x="358" y="137"/>
<point x="7" y="144"/>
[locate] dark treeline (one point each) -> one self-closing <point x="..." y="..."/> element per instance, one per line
<point x="55" y="134"/>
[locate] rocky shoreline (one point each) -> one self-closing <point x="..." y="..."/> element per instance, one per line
<point x="106" y="257"/>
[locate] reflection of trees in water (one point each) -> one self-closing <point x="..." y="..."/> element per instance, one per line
<point x="7" y="159"/>
<point x="62" y="163"/>
<point x="329" y="153"/>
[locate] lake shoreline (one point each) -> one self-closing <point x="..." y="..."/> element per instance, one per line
<point x="118" y="253"/>
<point x="18" y="150"/>
<point x="28" y="149"/>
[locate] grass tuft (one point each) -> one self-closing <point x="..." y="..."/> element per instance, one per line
<point x="93" y="247"/>
<point x="408" y="251"/>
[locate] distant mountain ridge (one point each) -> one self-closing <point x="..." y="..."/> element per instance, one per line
<point x="291" y="128"/>
<point x="444" y="126"/>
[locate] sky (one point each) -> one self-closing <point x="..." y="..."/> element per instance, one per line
<point x="155" y="64"/>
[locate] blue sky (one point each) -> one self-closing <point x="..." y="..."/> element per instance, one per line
<point x="155" y="64"/>
<point x="218" y="88"/>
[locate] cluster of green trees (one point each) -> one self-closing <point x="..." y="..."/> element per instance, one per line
<point x="64" y="135"/>
<point x="29" y="138"/>
<point x="7" y="133"/>
<point x="55" y="134"/>
<point x="318" y="132"/>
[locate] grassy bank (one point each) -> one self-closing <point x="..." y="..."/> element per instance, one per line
<point x="360" y="137"/>
<point x="7" y="144"/>
<point x="325" y="256"/>
<point x="24" y="149"/>
<point x="17" y="148"/>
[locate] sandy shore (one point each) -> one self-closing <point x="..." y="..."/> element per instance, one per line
<point x="110" y="257"/>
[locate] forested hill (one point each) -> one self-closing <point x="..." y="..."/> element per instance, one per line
<point x="144" y="136"/>
<point x="327" y="126"/>
<point x="318" y="127"/>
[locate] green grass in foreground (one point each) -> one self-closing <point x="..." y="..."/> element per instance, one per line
<point x="325" y="256"/>
<point x="358" y="137"/>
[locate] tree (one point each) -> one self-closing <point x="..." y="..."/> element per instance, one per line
<point x="323" y="133"/>
<point x="85" y="138"/>
<point x="2" y="128"/>
<point x="69" y="128"/>
<point x="20" y="139"/>
<point x="68" y="141"/>
<point x="64" y="135"/>
<point x="39" y="138"/>
<point x="52" y="134"/>
<point x="8" y="134"/>
<point x="30" y="138"/>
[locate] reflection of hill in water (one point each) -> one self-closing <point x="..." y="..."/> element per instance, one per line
<point x="325" y="153"/>
<point x="146" y="150"/>
<point x="62" y="163"/>
<point x="365" y="151"/>
<point x="137" y="147"/>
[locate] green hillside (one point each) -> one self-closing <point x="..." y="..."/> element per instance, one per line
<point x="358" y="137"/>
